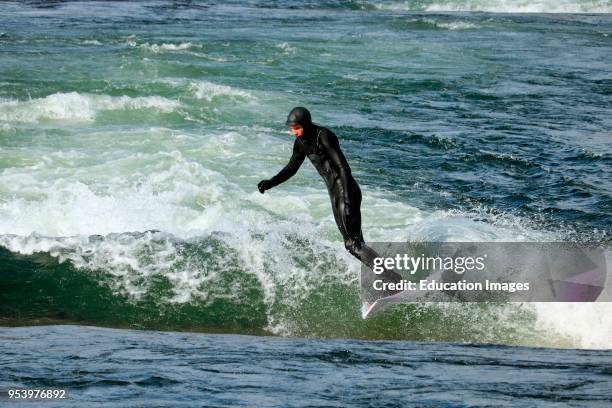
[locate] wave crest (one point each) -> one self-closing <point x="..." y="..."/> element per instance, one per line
<point x="156" y="280"/>
<point x="500" y="6"/>
<point x="78" y="106"/>
<point x="208" y="91"/>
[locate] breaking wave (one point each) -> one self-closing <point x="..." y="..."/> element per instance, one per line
<point x="78" y="106"/>
<point x="499" y="6"/>
<point x="156" y="280"/>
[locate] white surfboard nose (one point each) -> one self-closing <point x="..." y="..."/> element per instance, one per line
<point x="366" y="309"/>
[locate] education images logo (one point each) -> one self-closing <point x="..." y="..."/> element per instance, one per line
<point x="481" y="272"/>
<point x="458" y="265"/>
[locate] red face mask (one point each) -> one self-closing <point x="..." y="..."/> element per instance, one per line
<point x="296" y="130"/>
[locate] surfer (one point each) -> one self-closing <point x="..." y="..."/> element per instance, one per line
<point x="323" y="149"/>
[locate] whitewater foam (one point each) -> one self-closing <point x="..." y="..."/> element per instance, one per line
<point x="439" y="24"/>
<point x="583" y="325"/>
<point x="286" y="48"/>
<point x="451" y="25"/>
<point x="500" y="6"/>
<point x="156" y="48"/>
<point x="78" y="106"/>
<point x="259" y="238"/>
<point x="287" y="239"/>
<point x="209" y="91"/>
<point x="91" y="42"/>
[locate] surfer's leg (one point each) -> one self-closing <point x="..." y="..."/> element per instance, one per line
<point x="358" y="248"/>
<point x="348" y="217"/>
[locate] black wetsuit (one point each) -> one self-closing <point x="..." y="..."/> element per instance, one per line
<point x="322" y="148"/>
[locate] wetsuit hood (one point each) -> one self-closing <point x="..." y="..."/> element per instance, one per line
<point x="301" y="116"/>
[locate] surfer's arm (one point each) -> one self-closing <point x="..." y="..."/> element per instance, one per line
<point x="297" y="158"/>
